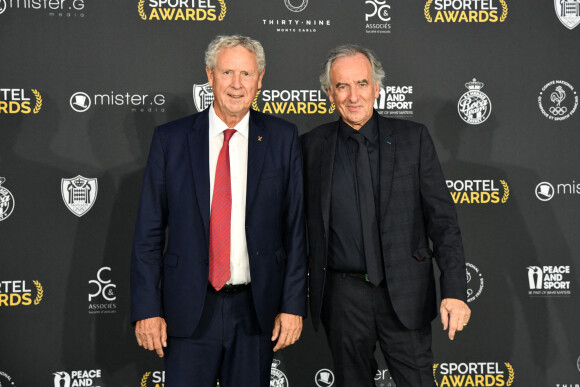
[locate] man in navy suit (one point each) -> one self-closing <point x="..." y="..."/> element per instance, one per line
<point x="225" y="183"/>
<point x="375" y="197"/>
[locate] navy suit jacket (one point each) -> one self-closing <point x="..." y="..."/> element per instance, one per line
<point x="169" y="264"/>
<point x="415" y="207"/>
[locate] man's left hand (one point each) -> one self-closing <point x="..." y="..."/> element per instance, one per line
<point x="455" y="315"/>
<point x="287" y="329"/>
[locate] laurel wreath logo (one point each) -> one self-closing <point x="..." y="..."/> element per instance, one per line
<point x="332" y="108"/>
<point x="427" y="13"/>
<point x="506" y="191"/>
<point x="38" y="101"/>
<point x="39" y="292"/>
<point x="144" y="379"/>
<point x="255" y="101"/>
<point x="140" y="9"/>
<point x="512" y="374"/>
<point x="223" y="10"/>
<point x="504" y="10"/>
<point x="435" y="369"/>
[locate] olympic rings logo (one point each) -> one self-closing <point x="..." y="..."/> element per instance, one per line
<point x="558" y="111"/>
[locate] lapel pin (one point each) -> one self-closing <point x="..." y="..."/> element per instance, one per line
<point x="259" y="138"/>
<point x="388" y="142"/>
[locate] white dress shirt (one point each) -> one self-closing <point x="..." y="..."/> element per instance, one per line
<point x="239" y="260"/>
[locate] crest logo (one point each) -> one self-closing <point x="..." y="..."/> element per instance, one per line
<point x="299" y="8"/>
<point x="558" y="100"/>
<point x="202" y="96"/>
<point x="474" y="106"/>
<point x="545" y="191"/>
<point x="474" y="282"/>
<point x="79" y="194"/>
<point x="277" y="377"/>
<point x="324" y="378"/>
<point x="568" y="11"/>
<point x="6" y="201"/>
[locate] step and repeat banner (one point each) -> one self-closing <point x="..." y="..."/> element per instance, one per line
<point x="83" y="83"/>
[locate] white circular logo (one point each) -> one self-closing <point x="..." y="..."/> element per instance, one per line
<point x="80" y="102"/>
<point x="474" y="106"/>
<point x="578" y="363"/>
<point x="278" y="378"/>
<point x="324" y="378"/>
<point x="2" y="6"/>
<point x="558" y="100"/>
<point x="6" y="201"/>
<point x="299" y="8"/>
<point x="474" y="282"/>
<point x="545" y="191"/>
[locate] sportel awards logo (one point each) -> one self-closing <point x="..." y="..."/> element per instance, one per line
<point x="465" y="11"/>
<point x="104" y="292"/>
<point x="6" y="380"/>
<point x="153" y="379"/>
<point x="19" y="101"/>
<point x="546" y="191"/>
<point x="546" y="281"/>
<point x="20" y="293"/>
<point x="277" y="377"/>
<point x="478" y="191"/>
<point x="188" y="10"/>
<point x="473" y="374"/>
<point x="558" y="100"/>
<point x="568" y="11"/>
<point x="377" y="17"/>
<point x="474" y="106"/>
<point x="292" y="102"/>
<point x="474" y="282"/>
<point x="6" y="201"/>
<point x="394" y="101"/>
<point x="79" y="194"/>
<point x="77" y="378"/>
<point x="60" y="8"/>
<point x="324" y="378"/>
<point x="81" y="102"/>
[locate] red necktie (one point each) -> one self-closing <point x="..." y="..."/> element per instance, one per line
<point x="221" y="218"/>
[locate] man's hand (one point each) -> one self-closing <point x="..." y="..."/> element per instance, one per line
<point x="455" y="315"/>
<point x="152" y="334"/>
<point x="287" y="329"/>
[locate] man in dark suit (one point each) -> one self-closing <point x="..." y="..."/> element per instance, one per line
<point x="218" y="273"/>
<point x="375" y="196"/>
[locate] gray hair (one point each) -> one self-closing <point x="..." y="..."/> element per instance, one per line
<point x="232" y="41"/>
<point x="350" y="50"/>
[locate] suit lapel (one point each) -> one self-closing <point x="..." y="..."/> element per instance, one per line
<point x="198" y="141"/>
<point x="327" y="152"/>
<point x="387" y="147"/>
<point x="257" y="146"/>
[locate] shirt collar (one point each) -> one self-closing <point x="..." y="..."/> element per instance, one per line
<point x="369" y="130"/>
<point x="217" y="126"/>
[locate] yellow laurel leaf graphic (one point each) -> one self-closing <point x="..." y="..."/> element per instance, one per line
<point x="140" y="9"/>
<point x="39" y="292"/>
<point x="427" y="13"/>
<point x="223" y="10"/>
<point x="255" y="101"/>
<point x="331" y="109"/>
<point x="144" y="379"/>
<point x="435" y="369"/>
<point x="506" y="191"/>
<point x="504" y="11"/>
<point x="38" y="101"/>
<point x="512" y="374"/>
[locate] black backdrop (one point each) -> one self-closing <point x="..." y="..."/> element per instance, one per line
<point x="64" y="291"/>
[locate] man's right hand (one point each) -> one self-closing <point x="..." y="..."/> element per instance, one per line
<point x="152" y="334"/>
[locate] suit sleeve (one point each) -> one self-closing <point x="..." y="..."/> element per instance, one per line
<point x="441" y="221"/>
<point x="295" y="281"/>
<point x="149" y="238"/>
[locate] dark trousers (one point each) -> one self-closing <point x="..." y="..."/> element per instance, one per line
<point x="227" y="345"/>
<point x="356" y="315"/>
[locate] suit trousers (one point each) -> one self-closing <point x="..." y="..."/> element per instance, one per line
<point x="227" y="345"/>
<point x="357" y="314"/>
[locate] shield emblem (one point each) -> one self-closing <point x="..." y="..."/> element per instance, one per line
<point x="202" y="96"/>
<point x="79" y="194"/>
<point x="568" y="11"/>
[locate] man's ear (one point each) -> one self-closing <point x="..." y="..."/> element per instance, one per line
<point x="209" y="75"/>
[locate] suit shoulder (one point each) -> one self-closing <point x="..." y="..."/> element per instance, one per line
<point x="318" y="132"/>
<point x="403" y="125"/>
<point x="177" y="126"/>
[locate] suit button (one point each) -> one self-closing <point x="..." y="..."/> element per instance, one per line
<point x="324" y="268"/>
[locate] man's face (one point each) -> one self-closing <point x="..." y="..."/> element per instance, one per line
<point x="235" y="81"/>
<point x="353" y="90"/>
